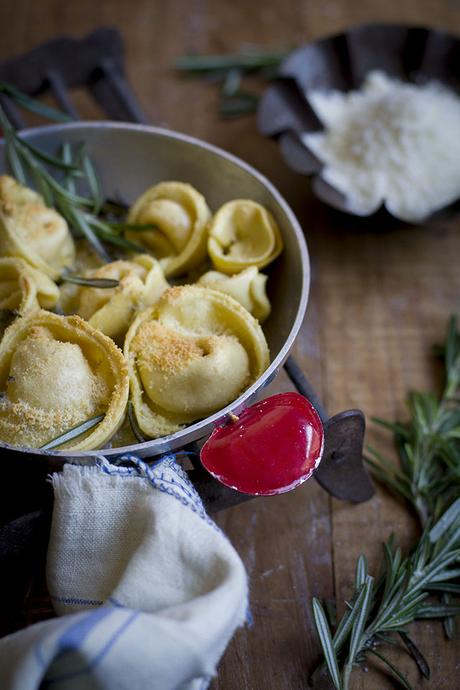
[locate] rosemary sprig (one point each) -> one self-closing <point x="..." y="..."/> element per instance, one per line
<point x="82" y="212"/>
<point x="381" y="609"/>
<point x="229" y="71"/>
<point x="428" y="477"/>
<point x="428" y="445"/>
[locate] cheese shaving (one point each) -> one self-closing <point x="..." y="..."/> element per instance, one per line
<point x="390" y="143"/>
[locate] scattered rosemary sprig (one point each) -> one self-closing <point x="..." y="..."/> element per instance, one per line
<point x="229" y="71"/>
<point x="73" y="433"/>
<point x="381" y="609"/>
<point x="428" y="445"/>
<point x="428" y="477"/>
<point x="81" y="211"/>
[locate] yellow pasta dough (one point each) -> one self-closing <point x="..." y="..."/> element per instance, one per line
<point x="180" y="215"/>
<point x="241" y="234"/>
<point x="189" y="356"/>
<point x="24" y="288"/>
<point x="111" y="310"/>
<point x="247" y="287"/>
<point x="57" y="372"/>
<point x="32" y="231"/>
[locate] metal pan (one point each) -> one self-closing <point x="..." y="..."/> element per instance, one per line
<point x="130" y="158"/>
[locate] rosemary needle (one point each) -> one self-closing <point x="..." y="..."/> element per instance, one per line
<point x="73" y="433"/>
<point x="101" y="283"/>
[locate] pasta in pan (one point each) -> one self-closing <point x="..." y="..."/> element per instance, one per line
<point x="190" y="355"/>
<point x="32" y="231"/>
<point x="55" y="373"/>
<point x="140" y="284"/>
<point x="179" y="214"/>
<point x="241" y="234"/>
<point x="24" y="288"/>
<point x="247" y="287"/>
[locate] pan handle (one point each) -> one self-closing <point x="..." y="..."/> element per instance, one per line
<point x="341" y="471"/>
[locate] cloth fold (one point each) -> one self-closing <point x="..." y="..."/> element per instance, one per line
<point x="148" y="589"/>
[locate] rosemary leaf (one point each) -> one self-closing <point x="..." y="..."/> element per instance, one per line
<point x="80" y="221"/>
<point x="90" y="282"/>
<point x="67" y="158"/>
<point x="93" y="183"/>
<point x="118" y="241"/>
<point x="363" y="604"/>
<point x="416" y="654"/>
<point x="114" y="207"/>
<point x="449" y="517"/>
<point x="361" y="571"/>
<point x="33" y="105"/>
<point x="241" y="103"/>
<point x="54" y="161"/>
<point x="73" y="433"/>
<point x="14" y="160"/>
<point x="393" y="668"/>
<point x="325" y="639"/>
<point x="244" y="61"/>
<point x="438" y="611"/>
<point x="449" y="623"/>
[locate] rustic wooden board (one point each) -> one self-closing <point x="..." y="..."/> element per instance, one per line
<point x="380" y="298"/>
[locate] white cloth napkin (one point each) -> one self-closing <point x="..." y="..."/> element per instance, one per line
<point x="148" y="589"/>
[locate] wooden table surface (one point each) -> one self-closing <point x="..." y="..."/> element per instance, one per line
<point x="380" y="298"/>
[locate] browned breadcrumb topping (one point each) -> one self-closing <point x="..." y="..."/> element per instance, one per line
<point x="164" y="348"/>
<point x="24" y="424"/>
<point x="177" y="292"/>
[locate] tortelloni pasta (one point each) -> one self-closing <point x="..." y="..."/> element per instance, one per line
<point x="32" y="231"/>
<point x="189" y="356"/>
<point x="241" y="234"/>
<point x="23" y="288"/>
<point x="180" y="215"/>
<point x="111" y="310"/>
<point x="57" y="372"/>
<point x="247" y="287"/>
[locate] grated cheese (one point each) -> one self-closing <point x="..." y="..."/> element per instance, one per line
<point x="390" y="143"/>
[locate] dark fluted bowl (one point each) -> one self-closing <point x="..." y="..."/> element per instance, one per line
<point x="340" y="63"/>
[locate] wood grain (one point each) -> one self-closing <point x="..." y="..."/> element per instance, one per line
<point x="381" y="295"/>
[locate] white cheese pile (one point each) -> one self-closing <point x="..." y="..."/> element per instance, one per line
<point x="390" y="143"/>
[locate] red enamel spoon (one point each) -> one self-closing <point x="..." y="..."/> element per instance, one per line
<point x="272" y="447"/>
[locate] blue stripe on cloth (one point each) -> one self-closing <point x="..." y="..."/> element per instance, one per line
<point x="115" y="602"/>
<point x="77" y="602"/>
<point x="101" y="654"/>
<point x="73" y="636"/>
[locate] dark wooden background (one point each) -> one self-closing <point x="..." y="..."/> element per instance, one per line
<point x="380" y="298"/>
